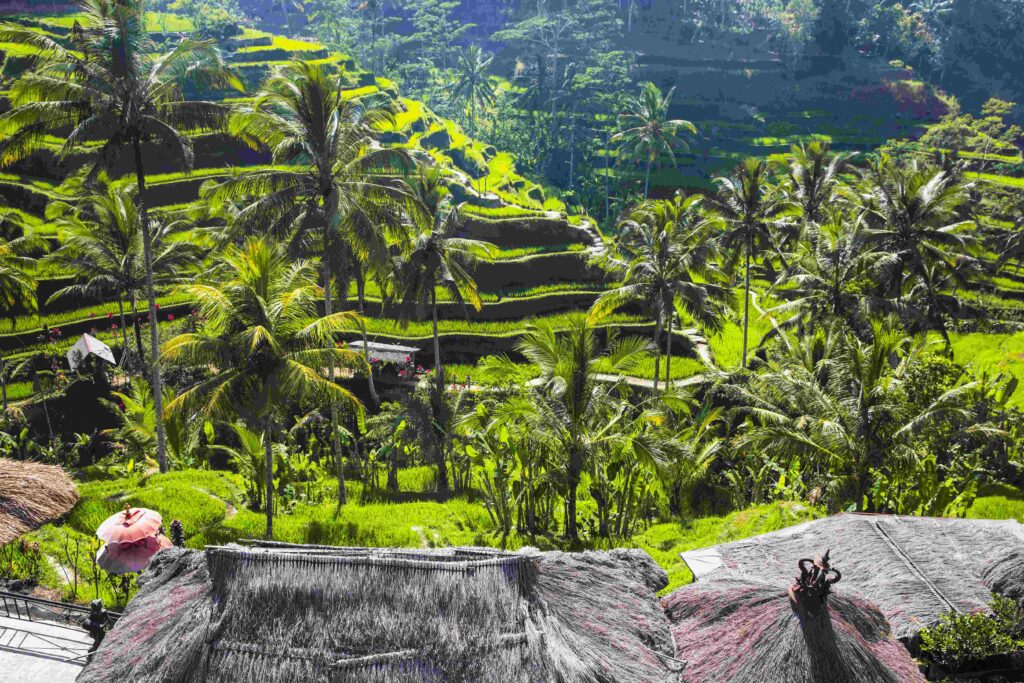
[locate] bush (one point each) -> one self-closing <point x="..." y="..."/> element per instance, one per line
<point x="960" y="641"/>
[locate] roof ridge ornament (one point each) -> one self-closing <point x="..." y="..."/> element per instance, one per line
<point x="811" y="588"/>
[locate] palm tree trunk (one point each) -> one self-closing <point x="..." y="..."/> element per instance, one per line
<point x="657" y="349"/>
<point x="361" y="298"/>
<point x="268" y="465"/>
<point x="335" y="437"/>
<point x="607" y="173"/>
<point x="438" y="370"/>
<point x="3" y="386"/>
<point x="668" y="353"/>
<point x="124" y="326"/>
<point x="647" y="178"/>
<point x="154" y="332"/>
<point x="746" y="307"/>
<point x="138" y="329"/>
<point x="575" y="468"/>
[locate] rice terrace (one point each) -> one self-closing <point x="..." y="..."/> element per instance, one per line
<point x="526" y="341"/>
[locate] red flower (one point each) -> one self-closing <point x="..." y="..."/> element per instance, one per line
<point x="110" y="316"/>
<point x="170" y="317"/>
<point x="158" y="307"/>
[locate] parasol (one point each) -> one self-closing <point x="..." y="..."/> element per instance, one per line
<point x="129" y="525"/>
<point x="133" y="556"/>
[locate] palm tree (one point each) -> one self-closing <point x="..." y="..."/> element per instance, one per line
<point x="829" y="279"/>
<point x="647" y="133"/>
<point x="337" y="198"/>
<point x="266" y="342"/>
<point x="437" y="258"/>
<point x="839" y="409"/>
<point x="572" y="411"/>
<point x="749" y="204"/>
<point x="136" y="415"/>
<point x="17" y="287"/>
<point x="912" y="212"/>
<point x="664" y="260"/>
<point x="473" y="82"/>
<point x="111" y="86"/>
<point x="814" y="180"/>
<point x="103" y="247"/>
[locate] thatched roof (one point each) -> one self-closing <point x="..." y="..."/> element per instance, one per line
<point x="289" y="613"/>
<point x="737" y="631"/>
<point x="1006" y="575"/>
<point x="914" y="568"/>
<point x="32" y="494"/>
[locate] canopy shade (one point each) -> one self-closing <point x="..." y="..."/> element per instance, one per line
<point x="89" y="346"/>
<point x="121" y="558"/>
<point x="130" y="525"/>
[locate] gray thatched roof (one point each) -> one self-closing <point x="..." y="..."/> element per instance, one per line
<point x="737" y="631"/>
<point x="914" y="568"/>
<point x="294" y="613"/>
<point x="391" y="353"/>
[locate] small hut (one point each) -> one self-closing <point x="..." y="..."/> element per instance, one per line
<point x="387" y="353"/>
<point x="915" y="569"/>
<point x="741" y="631"/>
<point x="32" y="494"/>
<point x="310" y="613"/>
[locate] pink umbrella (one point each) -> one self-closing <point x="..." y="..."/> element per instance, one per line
<point x="134" y="556"/>
<point x="129" y="525"/>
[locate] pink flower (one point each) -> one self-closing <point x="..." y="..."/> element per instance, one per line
<point x="114" y="327"/>
<point x="110" y="316"/>
<point x="170" y="317"/>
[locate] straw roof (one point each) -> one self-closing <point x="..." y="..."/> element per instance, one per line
<point x="738" y="631"/>
<point x="1006" y="575"/>
<point x="32" y="494"/>
<point x="913" y="568"/>
<point x="287" y="613"/>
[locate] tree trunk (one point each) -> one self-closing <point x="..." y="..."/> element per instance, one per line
<point x="657" y="349"/>
<point x="3" y="385"/>
<point x="438" y="369"/>
<point x="154" y="332"/>
<point x="335" y="437"/>
<point x="137" y="327"/>
<point x="361" y="298"/>
<point x="269" y="474"/>
<point x="124" y="327"/>
<point x="647" y="178"/>
<point x="575" y="468"/>
<point x="607" y="172"/>
<point x="668" y="352"/>
<point x="746" y="307"/>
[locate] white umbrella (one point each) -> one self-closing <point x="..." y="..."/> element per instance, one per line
<point x="86" y="346"/>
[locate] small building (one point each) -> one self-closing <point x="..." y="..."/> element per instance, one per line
<point x="276" y="613"/>
<point x="386" y="353"/>
<point x="915" y="569"/>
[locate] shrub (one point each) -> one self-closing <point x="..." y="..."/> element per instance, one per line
<point x="960" y="641"/>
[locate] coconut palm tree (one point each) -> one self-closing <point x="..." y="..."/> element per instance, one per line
<point x="337" y="197"/>
<point x="830" y="277"/>
<point x="749" y="205"/>
<point x="814" y="179"/>
<point x="17" y="286"/>
<point x="571" y="411"/>
<point x="648" y="134"/>
<point x="437" y="258"/>
<point x="911" y="211"/>
<point x="265" y="341"/>
<point x="663" y="260"/>
<point x="103" y="248"/>
<point x="112" y="86"/>
<point x="473" y="82"/>
<point x="839" y="409"/>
